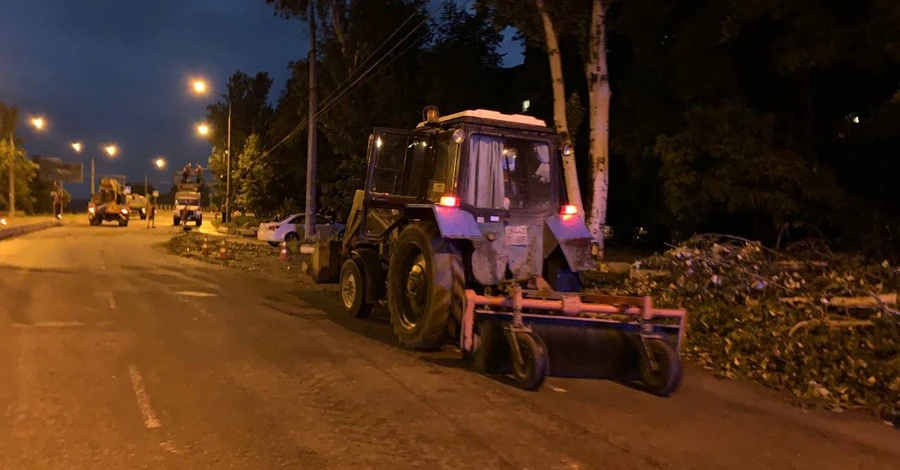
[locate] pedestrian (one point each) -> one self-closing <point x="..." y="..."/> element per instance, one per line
<point x="152" y="215"/>
<point x="198" y="173"/>
<point x="186" y="173"/>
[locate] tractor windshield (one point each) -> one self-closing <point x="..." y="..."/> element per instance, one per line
<point x="508" y="173"/>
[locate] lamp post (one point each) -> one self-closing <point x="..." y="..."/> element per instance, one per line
<point x="160" y="163"/>
<point x="200" y="88"/>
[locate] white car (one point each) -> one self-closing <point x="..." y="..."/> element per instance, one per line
<point x="292" y="229"/>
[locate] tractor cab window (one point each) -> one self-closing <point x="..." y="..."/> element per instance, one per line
<point x="508" y="173"/>
<point x="443" y="169"/>
<point x="400" y="161"/>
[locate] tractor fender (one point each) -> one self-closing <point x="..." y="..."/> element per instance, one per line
<point x="570" y="234"/>
<point x="374" y="273"/>
<point x="452" y="222"/>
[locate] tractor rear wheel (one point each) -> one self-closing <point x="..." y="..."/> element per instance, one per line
<point x="426" y="286"/>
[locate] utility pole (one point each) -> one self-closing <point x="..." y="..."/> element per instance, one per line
<point x="93" y="180"/>
<point x="311" y="147"/>
<point x="146" y="200"/>
<point x="12" y="175"/>
<point x="227" y="215"/>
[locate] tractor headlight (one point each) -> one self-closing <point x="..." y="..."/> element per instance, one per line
<point x="459" y="136"/>
<point x="568" y="150"/>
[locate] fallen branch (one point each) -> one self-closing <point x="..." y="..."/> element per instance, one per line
<point x="830" y="324"/>
<point x="867" y="302"/>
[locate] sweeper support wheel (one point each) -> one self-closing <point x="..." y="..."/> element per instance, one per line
<point x="530" y="361"/>
<point x="660" y="367"/>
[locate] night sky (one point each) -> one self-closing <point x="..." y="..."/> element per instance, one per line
<point x="112" y="71"/>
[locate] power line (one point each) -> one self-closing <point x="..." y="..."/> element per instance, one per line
<point x="327" y="104"/>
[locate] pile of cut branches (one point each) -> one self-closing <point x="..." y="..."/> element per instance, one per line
<point x="822" y="325"/>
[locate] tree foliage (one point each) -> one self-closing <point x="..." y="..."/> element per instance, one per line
<point x="24" y="170"/>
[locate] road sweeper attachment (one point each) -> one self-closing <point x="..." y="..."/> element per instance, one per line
<point x="615" y="337"/>
<point x="471" y="205"/>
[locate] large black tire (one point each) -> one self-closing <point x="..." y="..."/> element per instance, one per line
<point x="292" y="237"/>
<point x="667" y="378"/>
<point x="353" y="289"/>
<point x="559" y="275"/>
<point x="426" y="286"/>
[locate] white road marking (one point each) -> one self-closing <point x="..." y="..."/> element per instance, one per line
<point x="557" y="389"/>
<point x="190" y="293"/>
<point x="169" y="447"/>
<point x="112" y="300"/>
<point x="50" y="324"/>
<point x="143" y="399"/>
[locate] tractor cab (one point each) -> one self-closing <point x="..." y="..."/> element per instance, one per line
<point x="486" y="162"/>
<point x="484" y="177"/>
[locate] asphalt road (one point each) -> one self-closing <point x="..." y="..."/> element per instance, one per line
<point x="114" y="354"/>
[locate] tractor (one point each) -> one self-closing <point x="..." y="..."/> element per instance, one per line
<point x="464" y="233"/>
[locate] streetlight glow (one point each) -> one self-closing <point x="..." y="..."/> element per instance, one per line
<point x="76" y="146"/>
<point x="160" y="163"/>
<point x="112" y="150"/>
<point x="199" y="86"/>
<point x="38" y="123"/>
<point x="202" y="129"/>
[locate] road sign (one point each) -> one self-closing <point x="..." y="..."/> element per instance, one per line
<point x="155" y="193"/>
<point x="54" y="169"/>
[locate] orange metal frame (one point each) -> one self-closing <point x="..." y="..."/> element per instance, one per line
<point x="571" y="306"/>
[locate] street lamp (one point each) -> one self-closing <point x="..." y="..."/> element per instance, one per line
<point x="200" y="87"/>
<point x="76" y="146"/>
<point x="111" y="149"/>
<point x="38" y="123"/>
<point x="203" y="129"/>
<point x="159" y="163"/>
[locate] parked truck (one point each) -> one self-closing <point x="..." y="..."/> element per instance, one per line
<point x="109" y="203"/>
<point x="188" y="203"/>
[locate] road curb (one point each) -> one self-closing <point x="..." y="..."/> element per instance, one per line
<point x="13" y="232"/>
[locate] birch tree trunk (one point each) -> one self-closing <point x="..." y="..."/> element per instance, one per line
<point x="599" y="98"/>
<point x="573" y="191"/>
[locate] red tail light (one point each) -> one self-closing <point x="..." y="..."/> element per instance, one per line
<point x="568" y="209"/>
<point x="449" y="201"/>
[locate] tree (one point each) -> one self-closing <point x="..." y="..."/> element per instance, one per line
<point x="24" y="172"/>
<point x="536" y="21"/>
<point x="599" y="99"/>
<point x="250" y="114"/>
<point x="252" y="192"/>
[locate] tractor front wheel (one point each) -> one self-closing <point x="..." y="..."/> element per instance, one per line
<point x="353" y="289"/>
<point x="426" y="286"/>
